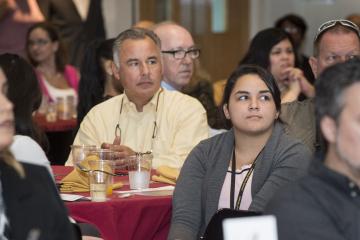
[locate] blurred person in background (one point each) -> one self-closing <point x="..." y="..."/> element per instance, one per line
<point x="296" y="27"/>
<point x="79" y="22"/>
<point x="183" y="71"/>
<point x="16" y="16"/>
<point x="273" y="49"/>
<point x="355" y="18"/>
<point x="97" y="81"/>
<point x="46" y="52"/>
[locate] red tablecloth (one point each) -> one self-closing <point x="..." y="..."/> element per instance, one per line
<point x="136" y="217"/>
<point x="58" y="126"/>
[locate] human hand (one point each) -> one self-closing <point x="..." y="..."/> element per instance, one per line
<point x="307" y="88"/>
<point x="122" y="151"/>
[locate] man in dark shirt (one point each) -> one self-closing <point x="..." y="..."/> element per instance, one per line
<point x="325" y="204"/>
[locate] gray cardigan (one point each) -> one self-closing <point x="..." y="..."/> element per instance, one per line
<point x="198" y="188"/>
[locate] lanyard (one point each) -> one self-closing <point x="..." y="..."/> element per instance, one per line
<point x="242" y="188"/>
<point x="118" y="129"/>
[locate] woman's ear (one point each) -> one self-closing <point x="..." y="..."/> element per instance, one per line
<point x="226" y="111"/>
<point x="277" y="115"/>
<point x="115" y="71"/>
<point x="107" y="67"/>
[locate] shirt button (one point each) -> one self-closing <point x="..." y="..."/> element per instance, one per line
<point x="353" y="194"/>
<point x="351" y="184"/>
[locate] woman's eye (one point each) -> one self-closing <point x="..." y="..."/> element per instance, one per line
<point x="243" y="97"/>
<point x="290" y="50"/>
<point x="265" y="98"/>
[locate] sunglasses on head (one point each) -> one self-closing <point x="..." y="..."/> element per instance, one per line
<point x="332" y="23"/>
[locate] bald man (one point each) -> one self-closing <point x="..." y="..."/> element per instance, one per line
<point x="178" y="55"/>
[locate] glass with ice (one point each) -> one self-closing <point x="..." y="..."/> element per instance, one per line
<point x="139" y="167"/>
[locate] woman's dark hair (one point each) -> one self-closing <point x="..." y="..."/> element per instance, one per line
<point x="93" y="76"/>
<point x="264" y="75"/>
<point x="298" y="21"/>
<point x="261" y="45"/>
<point x="60" y="54"/>
<point x="25" y="94"/>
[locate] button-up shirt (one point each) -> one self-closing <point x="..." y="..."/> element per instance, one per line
<point x="180" y="119"/>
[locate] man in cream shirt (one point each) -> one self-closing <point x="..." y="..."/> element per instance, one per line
<point x="146" y="117"/>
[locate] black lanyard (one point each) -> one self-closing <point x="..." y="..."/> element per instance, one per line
<point x="242" y="188"/>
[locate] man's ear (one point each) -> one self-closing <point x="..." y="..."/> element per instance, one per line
<point x="328" y="128"/>
<point x="313" y="61"/>
<point x="115" y="71"/>
<point x="226" y="111"/>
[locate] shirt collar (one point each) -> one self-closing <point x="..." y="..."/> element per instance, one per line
<point x="337" y="180"/>
<point x="167" y="86"/>
<point x="153" y="102"/>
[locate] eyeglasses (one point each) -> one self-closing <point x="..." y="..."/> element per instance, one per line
<point x="39" y="42"/>
<point x="332" y="23"/>
<point x="194" y="53"/>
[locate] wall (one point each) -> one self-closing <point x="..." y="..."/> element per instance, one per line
<point x="265" y="12"/>
<point x="117" y="16"/>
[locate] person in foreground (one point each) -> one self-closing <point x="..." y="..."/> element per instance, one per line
<point x="146" y="118"/>
<point x="29" y="141"/>
<point x="256" y="153"/>
<point x="30" y="206"/>
<point x="325" y="204"/>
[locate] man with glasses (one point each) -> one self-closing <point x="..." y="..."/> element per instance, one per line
<point x="336" y="41"/>
<point x="178" y="55"/>
<point x="146" y="118"/>
<point x="325" y="204"/>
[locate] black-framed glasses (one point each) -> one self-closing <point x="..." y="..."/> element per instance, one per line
<point x="193" y="53"/>
<point x="332" y="23"/>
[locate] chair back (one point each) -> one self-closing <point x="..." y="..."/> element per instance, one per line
<point x="214" y="229"/>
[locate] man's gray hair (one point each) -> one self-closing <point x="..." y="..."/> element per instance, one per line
<point x="135" y="34"/>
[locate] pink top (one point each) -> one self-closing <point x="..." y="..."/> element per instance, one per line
<point x="224" y="201"/>
<point x="71" y="77"/>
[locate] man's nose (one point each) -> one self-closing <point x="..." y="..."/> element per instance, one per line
<point x="144" y="69"/>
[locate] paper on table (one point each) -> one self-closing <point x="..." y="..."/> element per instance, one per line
<point x="71" y="197"/>
<point x="165" y="188"/>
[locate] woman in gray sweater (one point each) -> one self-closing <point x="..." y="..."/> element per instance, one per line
<point x="241" y="168"/>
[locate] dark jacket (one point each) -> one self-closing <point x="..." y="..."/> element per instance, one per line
<point x="33" y="204"/>
<point x="324" y="205"/>
<point x="75" y="32"/>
